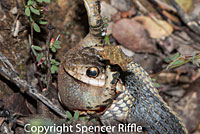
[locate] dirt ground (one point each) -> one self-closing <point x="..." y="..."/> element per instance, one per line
<point x="179" y="87"/>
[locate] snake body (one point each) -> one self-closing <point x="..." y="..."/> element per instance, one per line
<point x="148" y="108"/>
<point x="125" y="96"/>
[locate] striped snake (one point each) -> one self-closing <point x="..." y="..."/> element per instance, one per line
<point x="91" y="84"/>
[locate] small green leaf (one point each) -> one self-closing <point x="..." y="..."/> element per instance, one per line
<point x="107" y="40"/>
<point x="37" y="48"/>
<point x="39" y="57"/>
<point x="40" y="1"/>
<point x="52" y="61"/>
<point x="43" y="22"/>
<point x="31" y="19"/>
<point x="45" y="62"/>
<point x="105" y="20"/>
<point x="36" y="27"/>
<point x="83" y="118"/>
<point x="29" y="43"/>
<point x="57" y="63"/>
<point x="56" y="42"/>
<point x="193" y="58"/>
<point x="167" y="60"/>
<point x="35" y="11"/>
<point x="178" y="62"/>
<point x="29" y="39"/>
<point x="197" y="64"/>
<point x="69" y="115"/>
<point x="34" y="52"/>
<point x="67" y="33"/>
<point x="93" y="120"/>
<point x="54" y="69"/>
<point x="53" y="49"/>
<point x="57" y="46"/>
<point x="47" y="1"/>
<point x="156" y="85"/>
<point x="175" y="63"/>
<point x="76" y="115"/>
<point x="27" y="11"/>
<point x="43" y="79"/>
<point x="175" y="56"/>
<point x="30" y="2"/>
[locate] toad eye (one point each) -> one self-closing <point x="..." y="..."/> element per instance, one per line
<point x="92" y="72"/>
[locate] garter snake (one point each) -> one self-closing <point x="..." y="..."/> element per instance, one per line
<point x="93" y="85"/>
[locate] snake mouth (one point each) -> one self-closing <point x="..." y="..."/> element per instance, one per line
<point x="118" y="91"/>
<point x="99" y="111"/>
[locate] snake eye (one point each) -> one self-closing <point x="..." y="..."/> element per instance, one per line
<point x="92" y="72"/>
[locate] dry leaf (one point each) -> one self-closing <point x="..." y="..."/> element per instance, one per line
<point x="132" y="35"/>
<point x="186" y="5"/>
<point x="155" y="30"/>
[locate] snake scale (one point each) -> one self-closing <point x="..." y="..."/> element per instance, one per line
<point x="95" y="86"/>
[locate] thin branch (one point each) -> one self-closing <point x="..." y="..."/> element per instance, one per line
<point x="6" y="62"/>
<point x="12" y="75"/>
<point x="49" y="78"/>
<point x="166" y="5"/>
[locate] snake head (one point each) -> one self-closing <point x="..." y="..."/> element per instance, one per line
<point x="86" y="82"/>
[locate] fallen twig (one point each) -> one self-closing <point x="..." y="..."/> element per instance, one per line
<point x="49" y="78"/>
<point x="166" y="5"/>
<point x="6" y="62"/>
<point x="12" y="75"/>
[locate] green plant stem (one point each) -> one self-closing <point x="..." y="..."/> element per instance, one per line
<point x="186" y="61"/>
<point x="24" y="3"/>
<point x="49" y="78"/>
